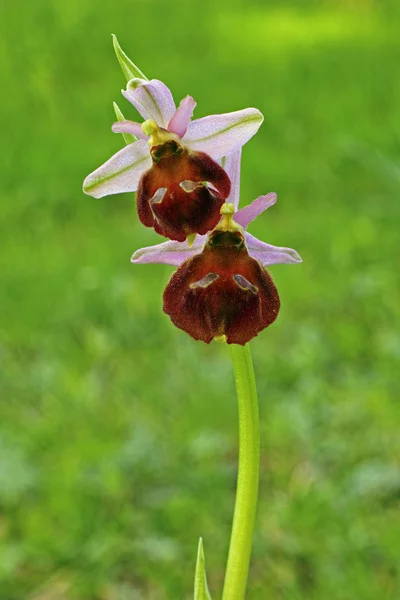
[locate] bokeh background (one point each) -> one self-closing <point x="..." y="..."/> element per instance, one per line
<point x="118" y="433"/>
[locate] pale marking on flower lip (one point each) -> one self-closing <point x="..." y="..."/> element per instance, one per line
<point x="205" y="282"/>
<point x="158" y="196"/>
<point x="244" y="284"/>
<point x="213" y="135"/>
<point x="101" y="180"/>
<point x="189" y="186"/>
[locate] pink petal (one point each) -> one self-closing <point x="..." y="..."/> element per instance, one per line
<point x="121" y="173"/>
<point x="129" y="127"/>
<point x="181" y="119"/>
<point x="152" y="99"/>
<point x="168" y="253"/>
<point x="220" y="135"/>
<point x="231" y="164"/>
<point x="247" y="214"/>
<point x="268" y="254"/>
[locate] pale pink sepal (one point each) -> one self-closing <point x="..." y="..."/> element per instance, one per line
<point x="129" y="127"/>
<point x="268" y="254"/>
<point x="152" y="99"/>
<point x="169" y="253"/>
<point x="121" y="173"/>
<point x="231" y="164"/>
<point x="175" y="253"/>
<point x="246" y="215"/>
<point x="181" y="119"/>
<point x="220" y="135"/>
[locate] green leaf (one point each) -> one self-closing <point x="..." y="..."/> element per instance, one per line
<point x="200" y="580"/>
<point x="128" y="137"/>
<point x="130" y="70"/>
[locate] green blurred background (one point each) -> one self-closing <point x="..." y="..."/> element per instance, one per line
<point x="118" y="433"/>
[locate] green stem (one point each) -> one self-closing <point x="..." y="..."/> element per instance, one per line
<point x="247" y="485"/>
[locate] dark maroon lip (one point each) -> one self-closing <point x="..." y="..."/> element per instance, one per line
<point x="222" y="292"/>
<point x="182" y="193"/>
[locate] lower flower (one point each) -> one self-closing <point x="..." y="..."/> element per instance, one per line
<point x="222" y="292"/>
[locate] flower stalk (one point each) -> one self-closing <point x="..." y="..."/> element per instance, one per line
<point x="248" y="475"/>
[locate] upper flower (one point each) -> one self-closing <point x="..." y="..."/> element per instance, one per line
<point x="221" y="287"/>
<point x="172" y="165"/>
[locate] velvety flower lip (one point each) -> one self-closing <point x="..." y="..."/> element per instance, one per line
<point x="175" y="253"/>
<point x="222" y="292"/>
<point x="216" y="135"/>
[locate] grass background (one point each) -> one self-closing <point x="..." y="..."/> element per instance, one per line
<point x="118" y="433"/>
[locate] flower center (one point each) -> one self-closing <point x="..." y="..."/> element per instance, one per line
<point x="227" y="222"/>
<point x="162" y="143"/>
<point x="227" y="233"/>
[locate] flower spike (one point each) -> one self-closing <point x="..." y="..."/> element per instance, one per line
<point x="221" y="289"/>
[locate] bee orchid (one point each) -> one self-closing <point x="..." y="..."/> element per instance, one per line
<point x="172" y="165"/>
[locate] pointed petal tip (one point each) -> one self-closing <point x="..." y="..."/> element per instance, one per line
<point x="182" y="116"/>
<point x="296" y="257"/>
<point x="135" y="258"/>
<point x="84" y="188"/>
<point x="87" y="189"/>
<point x="134" y="83"/>
<point x="247" y="214"/>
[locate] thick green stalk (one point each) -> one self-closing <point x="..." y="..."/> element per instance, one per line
<point x="248" y="476"/>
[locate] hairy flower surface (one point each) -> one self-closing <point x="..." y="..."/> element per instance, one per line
<point x="221" y="288"/>
<point x="173" y="164"/>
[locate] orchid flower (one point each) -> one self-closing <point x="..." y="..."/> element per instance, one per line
<point x="172" y="165"/>
<point x="221" y="288"/>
